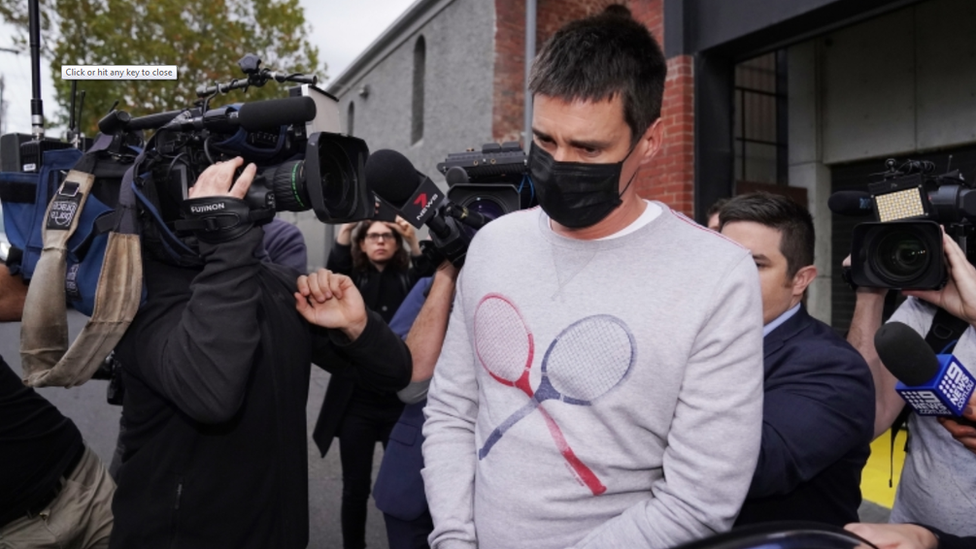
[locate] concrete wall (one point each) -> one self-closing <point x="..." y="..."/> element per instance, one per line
<point x="896" y="85"/>
<point x="806" y="166"/>
<point x="458" y="94"/>
<point x="458" y="87"/>
<point x="902" y="83"/>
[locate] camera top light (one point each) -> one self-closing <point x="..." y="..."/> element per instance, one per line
<point x="900" y="205"/>
<point x="900" y="198"/>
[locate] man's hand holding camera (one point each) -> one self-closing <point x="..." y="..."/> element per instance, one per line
<point x="959" y="294"/>
<point x="215" y="209"/>
<point x="331" y="300"/>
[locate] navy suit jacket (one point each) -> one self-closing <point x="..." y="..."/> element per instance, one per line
<point x="399" y="489"/>
<point x="818" y="421"/>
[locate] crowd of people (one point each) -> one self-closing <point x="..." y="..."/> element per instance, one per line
<point x="601" y="372"/>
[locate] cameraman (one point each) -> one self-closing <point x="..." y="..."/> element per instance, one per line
<point x="216" y="369"/>
<point x="939" y="478"/>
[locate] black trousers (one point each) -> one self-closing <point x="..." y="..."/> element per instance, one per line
<point x="358" y="436"/>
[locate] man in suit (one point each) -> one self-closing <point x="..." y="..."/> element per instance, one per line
<point x="818" y="409"/>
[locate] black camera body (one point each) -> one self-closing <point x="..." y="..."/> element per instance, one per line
<point x="492" y="182"/>
<point x="297" y="170"/>
<point x="903" y="248"/>
<point x="482" y="186"/>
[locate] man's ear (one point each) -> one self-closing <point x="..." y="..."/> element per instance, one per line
<point x="652" y="140"/>
<point x="802" y="279"/>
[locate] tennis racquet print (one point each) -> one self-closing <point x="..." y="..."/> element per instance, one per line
<point x="584" y="362"/>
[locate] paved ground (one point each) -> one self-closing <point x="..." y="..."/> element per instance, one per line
<point x="99" y="424"/>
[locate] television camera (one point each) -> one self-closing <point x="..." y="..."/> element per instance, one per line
<point x="482" y="186"/>
<point x="903" y="248"/>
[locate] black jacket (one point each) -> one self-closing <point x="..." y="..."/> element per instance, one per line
<point x="818" y="420"/>
<point x="383" y="292"/>
<point x="216" y="368"/>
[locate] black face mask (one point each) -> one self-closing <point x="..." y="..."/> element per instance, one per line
<point x="576" y="194"/>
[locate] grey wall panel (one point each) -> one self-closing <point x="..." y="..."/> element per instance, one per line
<point x="458" y="88"/>
<point x="868" y="89"/>
<point x="946" y="71"/>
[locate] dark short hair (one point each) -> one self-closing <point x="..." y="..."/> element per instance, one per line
<point x="792" y="220"/>
<point x="716" y="207"/>
<point x="596" y="58"/>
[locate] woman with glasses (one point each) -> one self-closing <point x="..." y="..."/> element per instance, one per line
<point x="377" y="256"/>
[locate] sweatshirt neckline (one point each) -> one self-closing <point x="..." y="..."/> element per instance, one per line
<point x="573" y="243"/>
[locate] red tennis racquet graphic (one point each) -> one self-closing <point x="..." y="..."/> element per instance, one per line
<point x="584" y="362"/>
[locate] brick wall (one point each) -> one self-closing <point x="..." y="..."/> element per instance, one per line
<point x="669" y="177"/>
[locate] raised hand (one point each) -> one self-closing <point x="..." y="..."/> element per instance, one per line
<point x="408" y="233"/>
<point x="959" y="295"/>
<point x="331" y="300"/>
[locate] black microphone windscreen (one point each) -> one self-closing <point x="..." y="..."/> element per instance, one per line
<point x="906" y="354"/>
<point x="391" y="176"/>
<point x="854" y="203"/>
<point x="152" y="121"/>
<point x="272" y="113"/>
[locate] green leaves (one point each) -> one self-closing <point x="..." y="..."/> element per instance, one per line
<point x="204" y="38"/>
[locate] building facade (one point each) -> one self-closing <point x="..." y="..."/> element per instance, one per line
<point x="802" y="97"/>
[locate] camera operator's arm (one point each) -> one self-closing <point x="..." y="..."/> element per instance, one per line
<point x="868" y="310"/>
<point x="426" y="336"/>
<point x="201" y="359"/>
<point x="356" y="339"/>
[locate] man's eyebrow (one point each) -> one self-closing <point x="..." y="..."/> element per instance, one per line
<point x="580" y="144"/>
<point x="583" y="144"/>
<point x="541" y="135"/>
<point x="760" y="257"/>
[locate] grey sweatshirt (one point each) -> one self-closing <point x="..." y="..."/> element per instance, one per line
<point x="644" y="430"/>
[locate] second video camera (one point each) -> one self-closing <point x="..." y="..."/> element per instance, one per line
<point x="903" y="248"/>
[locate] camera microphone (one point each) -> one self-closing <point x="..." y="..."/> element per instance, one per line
<point x="851" y="203"/>
<point x="394" y="179"/>
<point x="273" y="113"/>
<point x="258" y="115"/>
<point x="932" y="385"/>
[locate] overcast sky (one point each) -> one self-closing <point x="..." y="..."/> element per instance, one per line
<point x="341" y="29"/>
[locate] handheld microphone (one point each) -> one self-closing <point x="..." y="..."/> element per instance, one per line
<point x="418" y="200"/>
<point x="933" y="385"/>
<point x="850" y="203"/>
<point x="258" y="115"/>
<point x="394" y="179"/>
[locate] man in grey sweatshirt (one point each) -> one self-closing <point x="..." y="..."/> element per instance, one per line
<point x="600" y="384"/>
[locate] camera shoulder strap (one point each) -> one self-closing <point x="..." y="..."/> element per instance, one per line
<point x="46" y="358"/>
<point x="942" y="337"/>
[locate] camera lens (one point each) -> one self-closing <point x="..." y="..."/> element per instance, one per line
<point x="902" y="255"/>
<point x="487" y="207"/>
<point x="287" y="182"/>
